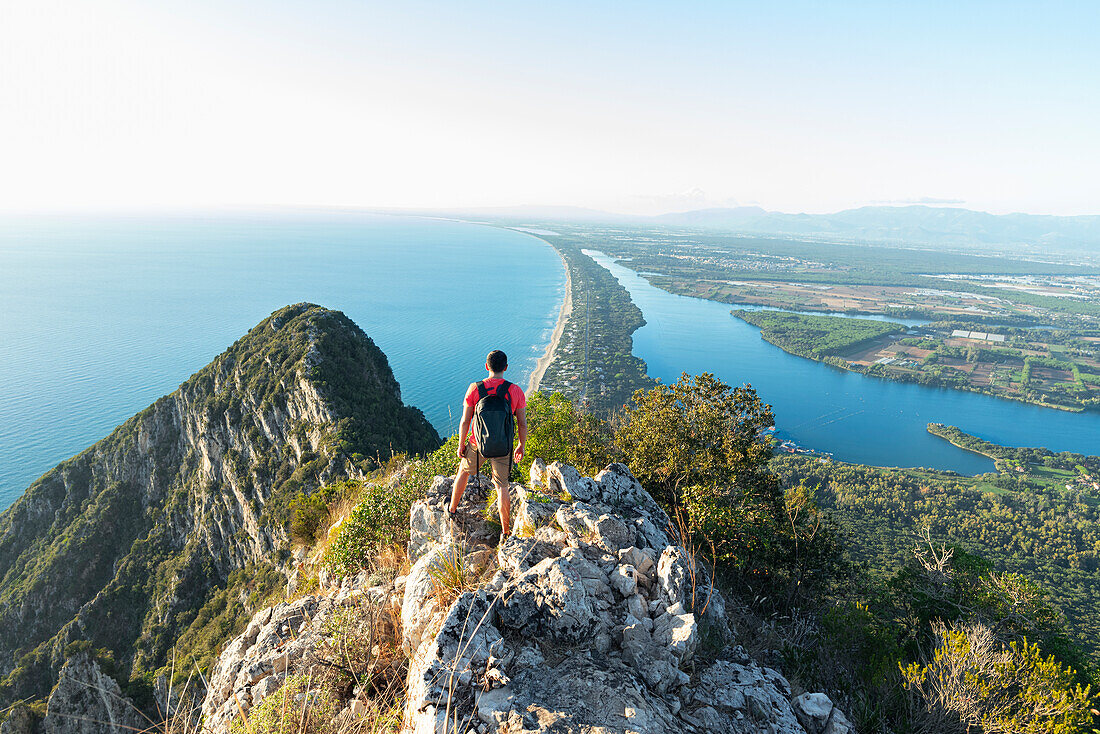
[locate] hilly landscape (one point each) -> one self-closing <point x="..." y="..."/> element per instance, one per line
<point x="913" y="225"/>
<point x="168" y="533"/>
<point x="802" y="300"/>
<point x="953" y="228"/>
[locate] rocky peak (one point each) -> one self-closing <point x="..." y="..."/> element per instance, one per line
<point x="123" y="544"/>
<point x="88" y="701"/>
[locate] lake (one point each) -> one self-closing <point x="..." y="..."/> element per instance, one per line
<point x="103" y="315"/>
<point x="856" y="418"/>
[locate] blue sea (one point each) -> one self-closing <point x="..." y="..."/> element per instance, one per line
<point x="102" y="315"/>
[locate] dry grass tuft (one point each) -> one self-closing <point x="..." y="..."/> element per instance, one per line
<point x="451" y="576"/>
<point x="702" y="584"/>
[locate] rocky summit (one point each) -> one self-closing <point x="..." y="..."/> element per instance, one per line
<point x="590" y="623"/>
<point x="130" y="546"/>
<point x="589" y="617"/>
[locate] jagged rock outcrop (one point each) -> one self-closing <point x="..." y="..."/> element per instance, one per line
<point x="283" y="640"/>
<point x="818" y="715"/>
<point x="87" y="701"/>
<point x="122" y="544"/>
<point x="589" y="624"/>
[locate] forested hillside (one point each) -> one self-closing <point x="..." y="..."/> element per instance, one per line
<point x="1049" y="534"/>
<point x="174" y="526"/>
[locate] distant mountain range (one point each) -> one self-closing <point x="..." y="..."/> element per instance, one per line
<point x="907" y="224"/>
<point x="943" y="227"/>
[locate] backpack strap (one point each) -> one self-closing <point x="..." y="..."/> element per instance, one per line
<point x="482" y="392"/>
<point x="507" y="388"/>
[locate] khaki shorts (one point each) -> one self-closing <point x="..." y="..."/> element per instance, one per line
<point x="500" y="464"/>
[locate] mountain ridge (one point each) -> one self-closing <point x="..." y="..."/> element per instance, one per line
<point x="913" y="224"/>
<point x="916" y="223"/>
<point x="123" y="544"/>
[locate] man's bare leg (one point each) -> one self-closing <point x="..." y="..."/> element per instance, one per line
<point x="504" y="507"/>
<point x="460" y="486"/>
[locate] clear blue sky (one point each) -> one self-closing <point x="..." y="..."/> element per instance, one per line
<point x="628" y="106"/>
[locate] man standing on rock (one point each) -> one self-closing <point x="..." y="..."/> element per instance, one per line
<point x="491" y="405"/>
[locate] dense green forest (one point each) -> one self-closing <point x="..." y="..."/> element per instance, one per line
<point x="1021" y="523"/>
<point x="817" y="337"/>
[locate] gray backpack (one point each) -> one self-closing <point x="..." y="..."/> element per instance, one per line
<point x="494" y="428"/>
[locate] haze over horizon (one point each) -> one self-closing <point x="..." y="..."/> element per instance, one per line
<point x="798" y="108"/>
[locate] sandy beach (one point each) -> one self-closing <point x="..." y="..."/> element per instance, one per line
<point x="555" y="337"/>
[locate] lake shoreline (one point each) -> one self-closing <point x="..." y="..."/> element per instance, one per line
<point x="559" y="328"/>
<point x="842" y="363"/>
<point x="870" y="422"/>
<point x="939" y="430"/>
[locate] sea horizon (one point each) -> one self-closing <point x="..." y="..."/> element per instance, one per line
<point x="109" y="313"/>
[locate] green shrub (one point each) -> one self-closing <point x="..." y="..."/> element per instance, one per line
<point x="382" y="516"/>
<point x="308" y="512"/>
<point x="973" y="680"/>
<point x="697" y="432"/>
<point x="699" y="444"/>
<point x="296" y="708"/>
<point x="559" y="431"/>
<point x="306" y="515"/>
<point x="739" y="529"/>
<point x="441" y="462"/>
<point x="77" y="646"/>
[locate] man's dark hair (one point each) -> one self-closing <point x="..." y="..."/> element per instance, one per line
<point x="497" y="360"/>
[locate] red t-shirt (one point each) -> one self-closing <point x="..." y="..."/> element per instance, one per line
<point x="515" y="397"/>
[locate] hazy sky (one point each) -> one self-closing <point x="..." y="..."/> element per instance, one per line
<point x="630" y="106"/>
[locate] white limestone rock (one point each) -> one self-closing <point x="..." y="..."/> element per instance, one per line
<point x="818" y="715"/>
<point x="610" y="599"/>
<point x="517" y="554"/>
<point x="88" y="701"/>
<point x="756" y="693"/>
<point x="447" y="670"/>
<point x="419" y="604"/>
<point x="564" y="479"/>
<point x="673" y="575"/>
<point x="531" y="511"/>
<point x="550" y="599"/>
<point x="624" y="580"/>
<point x="537" y="475"/>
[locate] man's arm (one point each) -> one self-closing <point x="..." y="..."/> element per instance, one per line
<point x="464" y="427"/>
<point x="521" y="419"/>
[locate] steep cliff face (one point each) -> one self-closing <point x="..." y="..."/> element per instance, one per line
<point x="124" y="543"/>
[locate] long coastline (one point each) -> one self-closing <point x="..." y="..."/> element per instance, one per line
<point x="555" y="336"/>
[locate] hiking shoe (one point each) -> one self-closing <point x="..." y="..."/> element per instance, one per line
<point x="454" y="524"/>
